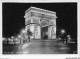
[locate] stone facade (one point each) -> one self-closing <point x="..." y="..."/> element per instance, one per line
<point x="36" y="19"/>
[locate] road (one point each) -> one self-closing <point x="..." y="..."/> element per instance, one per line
<point x="43" y="47"/>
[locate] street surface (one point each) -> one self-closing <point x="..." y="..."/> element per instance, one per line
<point x="43" y="47"/>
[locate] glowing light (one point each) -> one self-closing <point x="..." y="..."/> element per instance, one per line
<point x="68" y="36"/>
<point x="19" y="36"/>
<point x="9" y="39"/>
<point x="59" y="38"/>
<point x="62" y="31"/>
<point x="12" y="37"/>
<point x="23" y="31"/>
<point x="3" y="38"/>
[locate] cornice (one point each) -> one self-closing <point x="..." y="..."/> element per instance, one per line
<point x="40" y="9"/>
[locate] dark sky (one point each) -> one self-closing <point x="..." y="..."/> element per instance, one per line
<point x="13" y="16"/>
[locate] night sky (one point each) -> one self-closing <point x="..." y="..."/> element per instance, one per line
<point x="13" y="16"/>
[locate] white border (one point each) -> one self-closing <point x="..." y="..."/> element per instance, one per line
<point x="46" y="56"/>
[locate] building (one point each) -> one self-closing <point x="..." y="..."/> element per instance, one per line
<point x="42" y="23"/>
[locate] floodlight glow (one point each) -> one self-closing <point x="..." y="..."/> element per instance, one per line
<point x="32" y="28"/>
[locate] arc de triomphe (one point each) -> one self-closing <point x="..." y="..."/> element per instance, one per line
<point x="42" y="23"/>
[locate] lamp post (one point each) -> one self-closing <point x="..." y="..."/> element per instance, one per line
<point x="63" y="34"/>
<point x="23" y="31"/>
<point x="13" y="39"/>
<point x="62" y="31"/>
<point x="19" y="36"/>
<point x="23" y="35"/>
<point x="69" y="38"/>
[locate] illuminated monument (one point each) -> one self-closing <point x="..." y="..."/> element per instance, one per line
<point x="42" y="23"/>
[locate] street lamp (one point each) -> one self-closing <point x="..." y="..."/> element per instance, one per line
<point x="3" y="38"/>
<point x="19" y="36"/>
<point x="68" y="36"/>
<point x="63" y="35"/>
<point x="23" y="31"/>
<point x="12" y="37"/>
<point x="62" y="31"/>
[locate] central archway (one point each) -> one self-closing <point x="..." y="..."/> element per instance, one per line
<point x="44" y="32"/>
